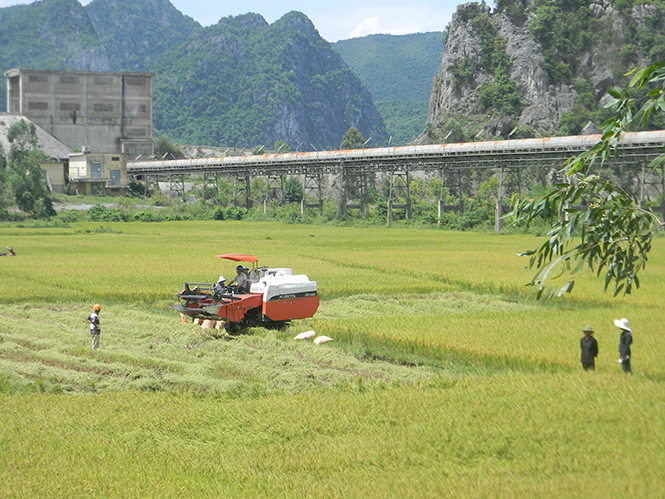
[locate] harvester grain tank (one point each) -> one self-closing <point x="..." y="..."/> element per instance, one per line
<point x="276" y="296"/>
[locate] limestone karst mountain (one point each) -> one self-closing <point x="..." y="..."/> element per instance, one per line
<point x="531" y="68"/>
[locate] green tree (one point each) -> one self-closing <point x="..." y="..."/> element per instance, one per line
<point x="293" y="190"/>
<point x="282" y="146"/>
<point x="612" y="237"/>
<point x="164" y="148"/>
<point x="5" y="191"/>
<point x="25" y="175"/>
<point x="352" y="139"/>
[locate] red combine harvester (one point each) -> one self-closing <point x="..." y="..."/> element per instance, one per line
<point x="275" y="297"/>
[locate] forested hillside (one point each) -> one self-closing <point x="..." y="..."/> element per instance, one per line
<point x="136" y="33"/>
<point x="247" y="83"/>
<point x="398" y="71"/>
<point x="50" y="34"/>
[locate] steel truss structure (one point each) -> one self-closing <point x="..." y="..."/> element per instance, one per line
<point x="449" y="160"/>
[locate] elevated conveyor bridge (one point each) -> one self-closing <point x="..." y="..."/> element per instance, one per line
<point x="354" y="166"/>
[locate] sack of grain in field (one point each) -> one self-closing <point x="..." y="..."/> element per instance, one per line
<point x="305" y="336"/>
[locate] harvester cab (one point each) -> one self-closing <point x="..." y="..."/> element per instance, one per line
<point x="273" y="297"/>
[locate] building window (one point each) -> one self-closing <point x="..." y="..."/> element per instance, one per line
<point x="102" y="108"/>
<point x="38" y="78"/>
<point x="102" y="80"/>
<point x="135" y="81"/>
<point x="70" y="80"/>
<point x="136" y="132"/>
<point x="38" y="106"/>
<point x="70" y="106"/>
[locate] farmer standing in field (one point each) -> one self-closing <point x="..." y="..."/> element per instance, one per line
<point x="625" y="341"/>
<point x="589" y="348"/>
<point x="95" y="329"/>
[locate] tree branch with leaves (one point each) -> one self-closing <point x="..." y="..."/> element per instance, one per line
<point x="596" y="226"/>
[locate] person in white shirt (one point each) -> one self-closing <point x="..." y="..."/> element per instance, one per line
<point x="240" y="280"/>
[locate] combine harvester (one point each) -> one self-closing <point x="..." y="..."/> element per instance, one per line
<point x="275" y="297"/>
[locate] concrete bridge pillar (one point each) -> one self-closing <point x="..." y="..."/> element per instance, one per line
<point x="498" y="211"/>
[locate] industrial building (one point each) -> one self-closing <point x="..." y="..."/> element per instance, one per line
<point x="94" y="112"/>
<point x="105" y="116"/>
<point x="97" y="174"/>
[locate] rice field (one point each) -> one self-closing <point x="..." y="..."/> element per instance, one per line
<point x="445" y="378"/>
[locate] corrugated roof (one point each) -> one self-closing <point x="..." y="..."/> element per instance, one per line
<point x="51" y="146"/>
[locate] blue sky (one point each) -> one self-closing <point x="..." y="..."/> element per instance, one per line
<point x="335" y="20"/>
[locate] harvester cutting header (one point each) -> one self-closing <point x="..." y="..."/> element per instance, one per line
<point x="261" y="296"/>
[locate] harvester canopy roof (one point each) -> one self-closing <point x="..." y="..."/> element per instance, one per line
<point x="238" y="258"/>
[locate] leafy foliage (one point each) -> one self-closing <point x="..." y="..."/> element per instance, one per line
<point x="352" y="139"/>
<point x="565" y="30"/>
<point x="497" y="92"/>
<point x="5" y="191"/>
<point x="615" y="231"/>
<point x="462" y="71"/>
<point x="293" y="190"/>
<point x="25" y="175"/>
<point x="164" y="148"/>
<point x="404" y="120"/>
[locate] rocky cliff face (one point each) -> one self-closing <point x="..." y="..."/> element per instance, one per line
<point x="332" y="98"/>
<point x="545" y="100"/>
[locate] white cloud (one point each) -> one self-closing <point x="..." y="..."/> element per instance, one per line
<point x="369" y="26"/>
<point x="370" y="17"/>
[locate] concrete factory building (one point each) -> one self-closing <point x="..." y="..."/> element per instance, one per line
<point x="101" y="113"/>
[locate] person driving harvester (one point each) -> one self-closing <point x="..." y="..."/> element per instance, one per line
<point x="240" y="280"/>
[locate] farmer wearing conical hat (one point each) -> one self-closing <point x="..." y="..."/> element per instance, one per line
<point x="589" y="348"/>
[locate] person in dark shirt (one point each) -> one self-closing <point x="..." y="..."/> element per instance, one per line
<point x="625" y="340"/>
<point x="589" y="348"/>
